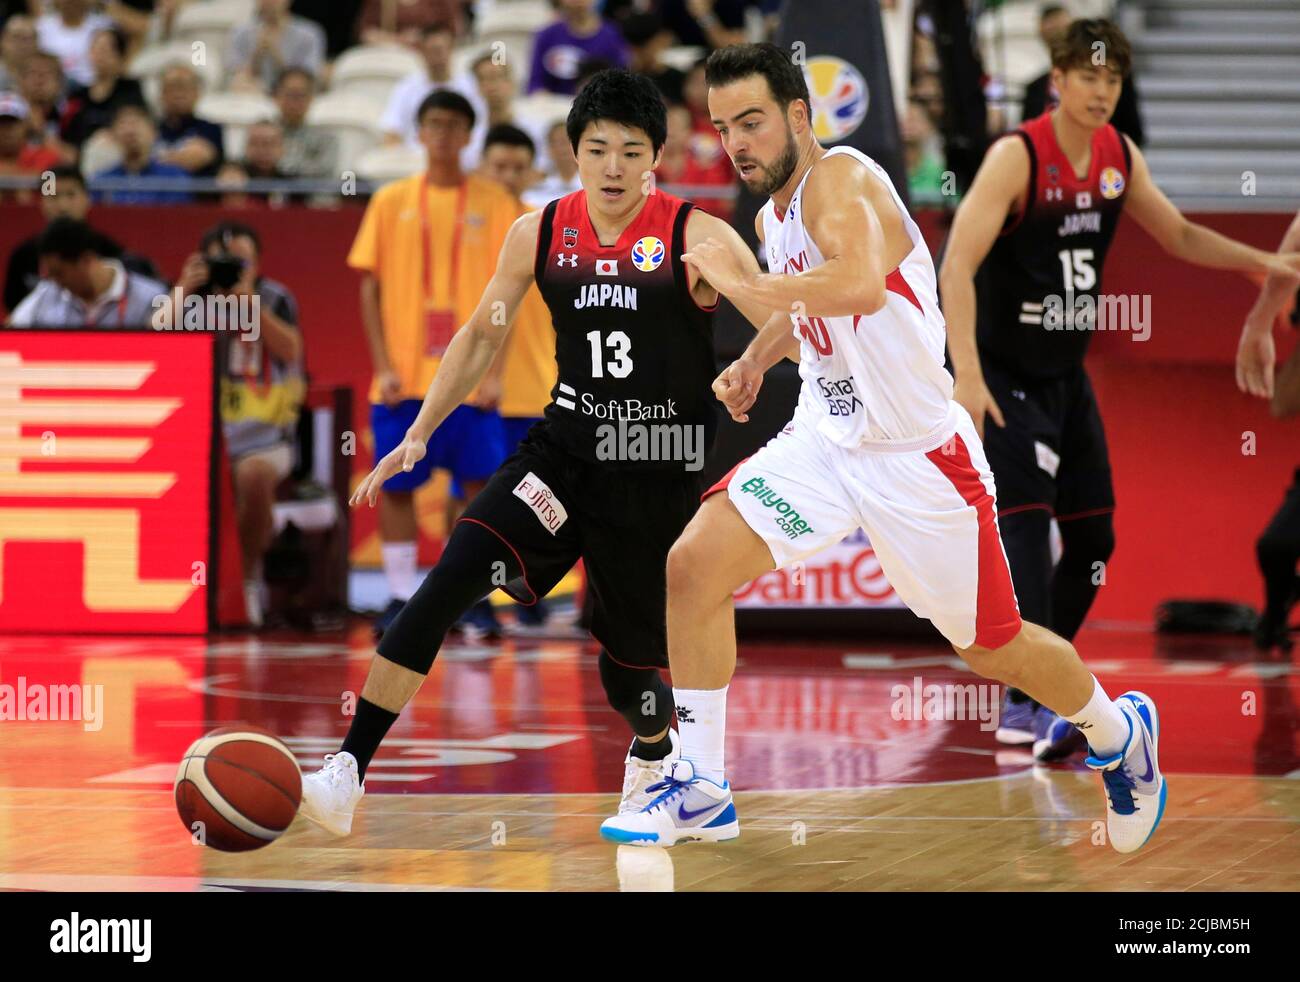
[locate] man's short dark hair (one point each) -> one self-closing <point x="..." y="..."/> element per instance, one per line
<point x="1092" y="43"/>
<point x="641" y="29"/>
<point x="290" y="72"/>
<point x="589" y="68"/>
<point x="739" y="61"/>
<point x="437" y="27"/>
<point x="221" y="234"/>
<point x="68" y="173"/>
<point x="621" y="97"/>
<point x="120" y="41"/>
<point x="446" y="99"/>
<point x="127" y="108"/>
<point x="504" y="134"/>
<point x="67" y="238"/>
<point x="1051" y="10"/>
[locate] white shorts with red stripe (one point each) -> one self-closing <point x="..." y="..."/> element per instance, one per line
<point x="928" y="506"/>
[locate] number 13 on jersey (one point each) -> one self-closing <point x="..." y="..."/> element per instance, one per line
<point x="620" y="364"/>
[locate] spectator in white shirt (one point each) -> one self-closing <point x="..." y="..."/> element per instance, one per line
<point x="67" y="33"/>
<point x="398" y="122"/>
<point x="563" y="177"/>
<point x="271" y="42"/>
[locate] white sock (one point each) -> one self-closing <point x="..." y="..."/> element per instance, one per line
<point x="1102" y="723"/>
<point x="399" y="567"/>
<point x="702" y="727"/>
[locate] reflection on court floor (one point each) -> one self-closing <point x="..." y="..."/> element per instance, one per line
<point x="498" y="775"/>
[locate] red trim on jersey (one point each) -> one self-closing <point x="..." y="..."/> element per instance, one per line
<point x="722" y="484"/>
<point x="776" y="210"/>
<point x="997" y="618"/>
<point x="658" y="212"/>
<point x="894" y="283"/>
<point x="518" y="558"/>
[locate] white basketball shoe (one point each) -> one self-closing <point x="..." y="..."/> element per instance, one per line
<point x="685" y="808"/>
<point x="330" y="796"/>
<point x="639" y="775"/>
<point x="1135" y="788"/>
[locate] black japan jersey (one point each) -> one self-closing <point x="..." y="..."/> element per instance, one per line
<point x="1038" y="289"/>
<point x="631" y="344"/>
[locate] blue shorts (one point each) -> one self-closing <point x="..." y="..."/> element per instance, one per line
<point x="514" y="429"/>
<point x="470" y="443"/>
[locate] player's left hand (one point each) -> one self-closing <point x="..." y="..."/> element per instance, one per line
<point x="717" y="265"/>
<point x="737" y="388"/>
<point x="1256" y="356"/>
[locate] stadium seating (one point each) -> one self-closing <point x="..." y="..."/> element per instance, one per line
<point x="354" y="119"/>
<point x="384" y="164"/>
<point x="370" y="71"/>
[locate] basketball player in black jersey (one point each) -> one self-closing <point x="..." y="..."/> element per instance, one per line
<point x="610" y="475"/>
<point x="1020" y="284"/>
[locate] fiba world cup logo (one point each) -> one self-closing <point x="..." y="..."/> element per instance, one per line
<point x="839" y="97"/>
<point x="647" y="254"/>
<point x="1112" y="183"/>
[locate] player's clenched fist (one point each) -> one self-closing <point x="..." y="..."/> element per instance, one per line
<point x="402" y="457"/>
<point x="737" y="388"/>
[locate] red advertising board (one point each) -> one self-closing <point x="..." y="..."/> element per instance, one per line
<point x="106" y="450"/>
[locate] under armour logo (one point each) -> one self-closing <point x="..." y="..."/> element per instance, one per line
<point x="684" y="715"/>
<point x="570" y="260"/>
<point x="1019" y="394"/>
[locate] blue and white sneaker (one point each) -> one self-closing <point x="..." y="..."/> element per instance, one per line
<point x="1055" y="738"/>
<point x="686" y="808"/>
<point x="1135" y="788"/>
<point x="1016" y="724"/>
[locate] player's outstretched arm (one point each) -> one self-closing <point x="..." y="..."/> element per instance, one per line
<point x="1190" y="241"/>
<point x="1256" y="354"/>
<point x="838" y="213"/>
<point x="702" y="228"/>
<point x="468" y="356"/>
<point x="995" y="193"/>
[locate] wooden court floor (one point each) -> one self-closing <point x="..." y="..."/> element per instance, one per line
<point x="500" y="773"/>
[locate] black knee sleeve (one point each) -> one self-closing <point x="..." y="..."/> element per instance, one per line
<point x="473" y="564"/>
<point x="1026" y="537"/>
<point x="1086" y="541"/>
<point x="639" y="695"/>
<point x="1086" y="546"/>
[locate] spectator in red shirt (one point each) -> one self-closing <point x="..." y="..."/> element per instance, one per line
<point x="680" y="165"/>
<point x="17" y="156"/>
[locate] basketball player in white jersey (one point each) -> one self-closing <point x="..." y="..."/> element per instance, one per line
<point x="876" y="442"/>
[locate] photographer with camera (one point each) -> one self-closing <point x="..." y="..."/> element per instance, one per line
<point x="262" y="382"/>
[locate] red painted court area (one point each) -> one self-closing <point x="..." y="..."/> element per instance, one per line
<point x="529" y="716"/>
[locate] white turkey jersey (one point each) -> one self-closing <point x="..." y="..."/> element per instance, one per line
<point x="868" y="379"/>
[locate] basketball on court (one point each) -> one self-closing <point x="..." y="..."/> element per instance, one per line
<point x="237" y="789"/>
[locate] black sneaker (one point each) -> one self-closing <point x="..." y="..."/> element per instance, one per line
<point x="387" y="617"/>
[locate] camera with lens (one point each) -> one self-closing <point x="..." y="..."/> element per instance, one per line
<point x="224" y="271"/>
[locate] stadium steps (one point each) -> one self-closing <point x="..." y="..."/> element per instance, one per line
<point x="1220" y="88"/>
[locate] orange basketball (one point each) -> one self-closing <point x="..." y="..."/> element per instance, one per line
<point x="238" y="788"/>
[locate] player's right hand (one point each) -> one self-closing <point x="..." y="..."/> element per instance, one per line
<point x="402" y="457"/>
<point x="974" y="396"/>
<point x="390" y="387"/>
<point x="737" y="388"/>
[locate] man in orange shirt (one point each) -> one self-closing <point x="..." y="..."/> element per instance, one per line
<point x="528" y="362"/>
<point x="428" y="246"/>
